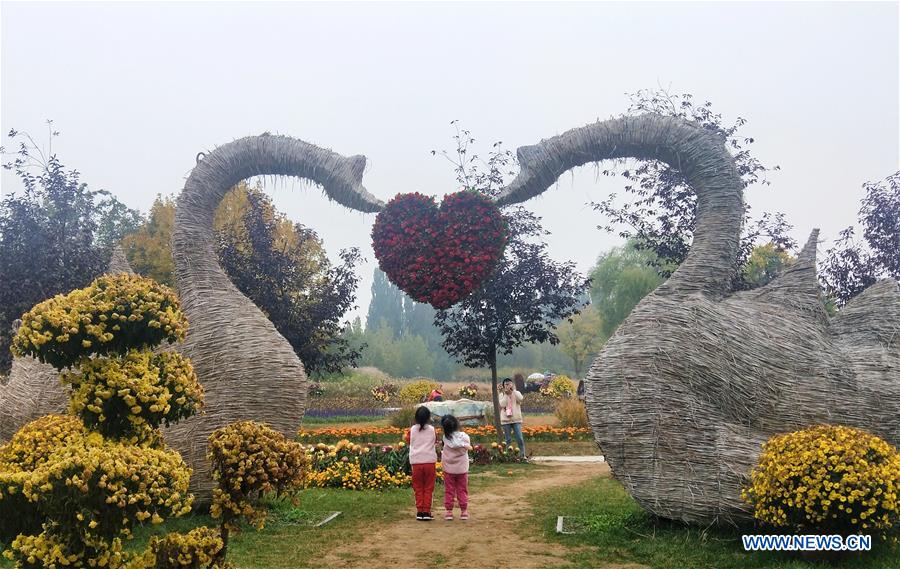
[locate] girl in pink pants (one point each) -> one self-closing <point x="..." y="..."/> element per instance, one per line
<point x="455" y="463"/>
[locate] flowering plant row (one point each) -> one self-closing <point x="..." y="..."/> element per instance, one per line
<point x="477" y="434"/>
<point x="359" y="466"/>
<point x="439" y="256"/>
<point x="495" y="453"/>
<point x="373" y="466"/>
<point x="469" y="391"/>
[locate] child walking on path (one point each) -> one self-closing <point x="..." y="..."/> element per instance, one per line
<point x="423" y="458"/>
<point x="455" y="463"/>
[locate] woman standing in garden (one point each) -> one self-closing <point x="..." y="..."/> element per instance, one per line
<point x="510" y="400"/>
<point x="423" y="458"/>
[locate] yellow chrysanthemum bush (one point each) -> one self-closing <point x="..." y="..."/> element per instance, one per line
<point x="560" y="387"/>
<point x="93" y="494"/>
<point x="113" y="314"/>
<point x="93" y="476"/>
<point x="193" y="550"/>
<point x="129" y="396"/>
<point x="249" y="460"/>
<point x="416" y="391"/>
<point x="827" y="479"/>
<point x="30" y="448"/>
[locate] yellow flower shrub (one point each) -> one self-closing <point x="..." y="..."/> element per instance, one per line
<point x="560" y="387"/>
<point x="33" y="444"/>
<point x="415" y="391"/>
<point x="97" y="489"/>
<point x="31" y="447"/>
<point x="131" y="395"/>
<point x="73" y="492"/>
<point x="828" y="479"/>
<point x="49" y="551"/>
<point x="193" y="550"/>
<point x="113" y="314"/>
<point x="250" y="459"/>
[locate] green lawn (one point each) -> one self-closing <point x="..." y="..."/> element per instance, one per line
<point x="287" y="545"/>
<point x="619" y="531"/>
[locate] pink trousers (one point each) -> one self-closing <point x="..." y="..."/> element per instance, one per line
<point x="456" y="486"/>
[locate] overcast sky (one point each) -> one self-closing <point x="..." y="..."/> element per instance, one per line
<point x="137" y="90"/>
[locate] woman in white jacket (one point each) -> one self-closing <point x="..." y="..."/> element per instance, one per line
<point x="510" y="400"/>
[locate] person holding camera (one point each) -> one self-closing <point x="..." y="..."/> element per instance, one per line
<point x="510" y="400"/>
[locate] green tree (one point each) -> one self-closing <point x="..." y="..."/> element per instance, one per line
<point x="148" y="248"/>
<point x="622" y="277"/>
<point x="386" y="304"/>
<point x="528" y="293"/>
<point x="581" y="337"/>
<point x="765" y="263"/>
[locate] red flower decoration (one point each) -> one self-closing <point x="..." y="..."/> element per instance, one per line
<point x="439" y="256"/>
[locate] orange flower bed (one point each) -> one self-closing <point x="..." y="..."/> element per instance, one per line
<point x="487" y="433"/>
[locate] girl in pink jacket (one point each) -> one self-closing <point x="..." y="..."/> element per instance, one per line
<point x="423" y="458"/>
<point x="455" y="463"/>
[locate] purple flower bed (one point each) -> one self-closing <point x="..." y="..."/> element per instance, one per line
<point x="362" y="412"/>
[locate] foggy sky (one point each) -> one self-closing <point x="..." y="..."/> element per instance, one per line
<point x="137" y="90"/>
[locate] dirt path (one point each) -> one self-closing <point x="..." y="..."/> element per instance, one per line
<point x="496" y="511"/>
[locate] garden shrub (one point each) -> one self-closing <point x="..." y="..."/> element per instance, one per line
<point x="90" y="481"/>
<point x="571" y="413"/>
<point x="113" y="314"/>
<point x="131" y="395"/>
<point x="248" y="460"/>
<point x="469" y="391"/>
<point x="404" y="418"/>
<point x="193" y="550"/>
<point x="30" y="448"/>
<point x="32" y="445"/>
<point x="827" y="479"/>
<point x="417" y="391"/>
<point x="93" y="492"/>
<point x="560" y="387"/>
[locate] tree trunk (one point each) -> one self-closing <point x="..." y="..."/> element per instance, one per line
<point x="219" y="558"/>
<point x="494" y="394"/>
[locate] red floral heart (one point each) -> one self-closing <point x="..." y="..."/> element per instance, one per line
<point x="439" y="256"/>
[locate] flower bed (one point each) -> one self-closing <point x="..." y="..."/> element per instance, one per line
<point x="374" y="466"/>
<point x="484" y="434"/>
<point x="354" y="466"/>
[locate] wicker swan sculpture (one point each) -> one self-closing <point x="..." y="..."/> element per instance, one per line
<point x="248" y="370"/>
<point x="697" y="377"/>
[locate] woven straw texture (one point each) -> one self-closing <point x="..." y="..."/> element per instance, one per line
<point x="247" y="369"/>
<point x="34" y="389"/>
<point x="696" y="378"/>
